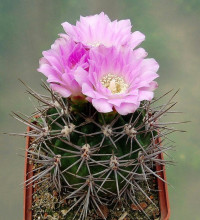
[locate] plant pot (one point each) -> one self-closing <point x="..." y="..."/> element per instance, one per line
<point x="162" y="187"/>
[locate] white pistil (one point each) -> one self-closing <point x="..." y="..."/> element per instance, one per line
<point x="94" y="44"/>
<point x="116" y="84"/>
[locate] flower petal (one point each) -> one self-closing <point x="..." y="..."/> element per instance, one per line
<point x="81" y="75"/>
<point x="126" y="108"/>
<point x="61" y="63"/>
<point x="102" y="105"/>
<point x="98" y="29"/>
<point x="137" y="39"/>
<point x="61" y="90"/>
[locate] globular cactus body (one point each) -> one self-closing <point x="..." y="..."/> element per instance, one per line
<point x="95" y="144"/>
<point x="99" y="159"/>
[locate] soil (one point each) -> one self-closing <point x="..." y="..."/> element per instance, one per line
<point x="46" y="205"/>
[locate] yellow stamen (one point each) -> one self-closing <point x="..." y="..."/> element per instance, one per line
<point x="114" y="83"/>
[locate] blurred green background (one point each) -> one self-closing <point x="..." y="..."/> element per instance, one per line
<point x="172" y="29"/>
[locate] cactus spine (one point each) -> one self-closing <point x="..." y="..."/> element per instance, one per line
<point x="97" y="158"/>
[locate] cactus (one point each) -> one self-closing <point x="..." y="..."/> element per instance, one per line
<point x="97" y="158"/>
<point x="98" y="134"/>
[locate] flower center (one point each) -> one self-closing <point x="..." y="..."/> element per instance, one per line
<point x="115" y="84"/>
<point x="94" y="44"/>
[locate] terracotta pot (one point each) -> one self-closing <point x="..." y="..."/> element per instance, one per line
<point x="28" y="191"/>
<point x="163" y="192"/>
<point x="162" y="187"/>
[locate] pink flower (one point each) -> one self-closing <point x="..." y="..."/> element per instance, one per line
<point x="118" y="79"/>
<point x="61" y="63"/>
<point x="98" y="29"/>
